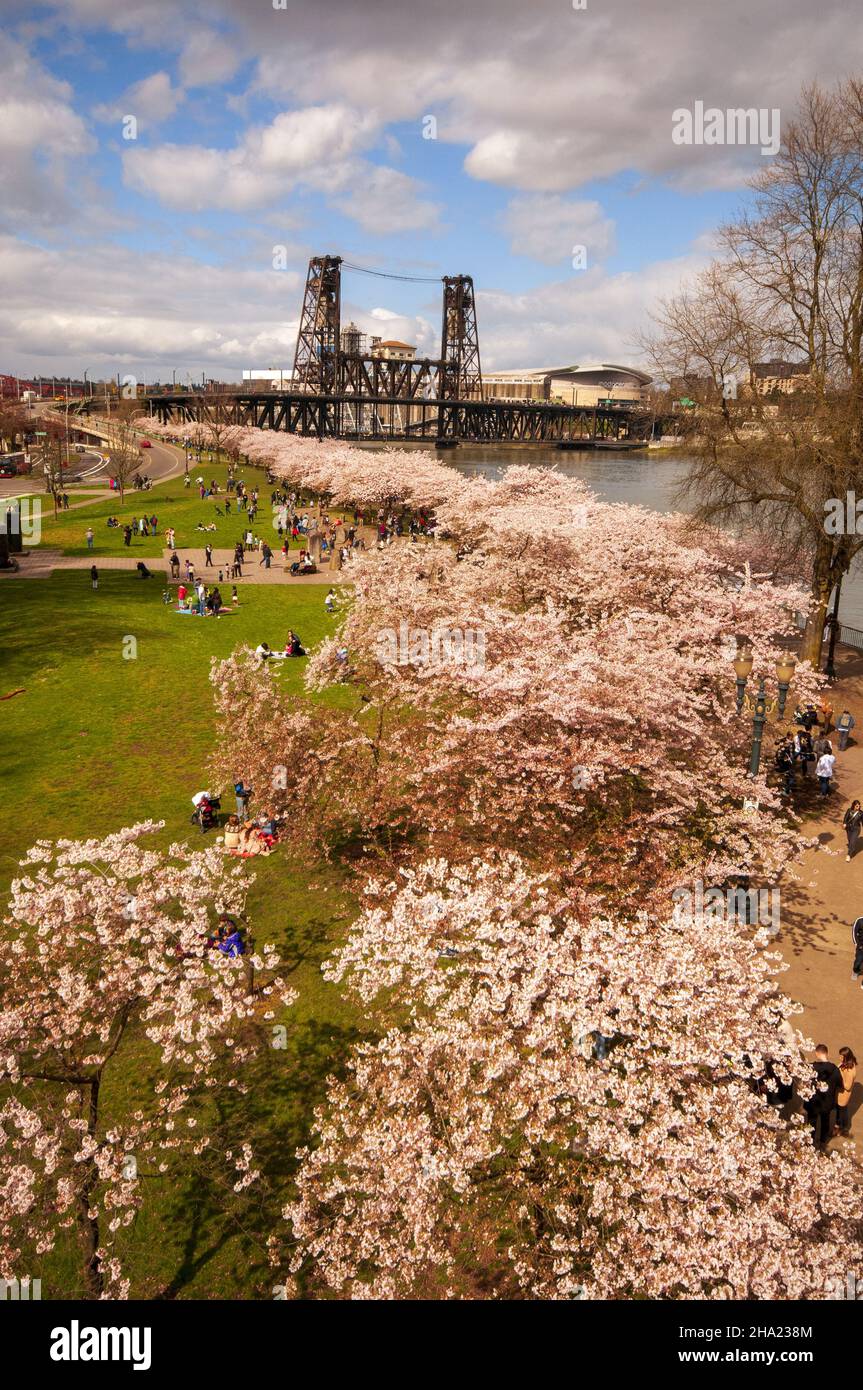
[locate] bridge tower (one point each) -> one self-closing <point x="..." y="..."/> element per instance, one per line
<point x="317" y="354"/>
<point x="460" y="372"/>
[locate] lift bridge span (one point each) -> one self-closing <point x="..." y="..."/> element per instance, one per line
<point x="339" y="389"/>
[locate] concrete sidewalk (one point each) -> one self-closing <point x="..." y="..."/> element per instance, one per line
<point x="41" y="563"/>
<point x="818" y="910"/>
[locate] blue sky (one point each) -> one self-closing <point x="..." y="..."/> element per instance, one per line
<point x="304" y="127"/>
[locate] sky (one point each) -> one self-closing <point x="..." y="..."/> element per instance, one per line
<point x="167" y="168"/>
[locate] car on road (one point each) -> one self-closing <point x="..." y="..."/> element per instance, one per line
<point x="145" y="444"/>
<point x="8" y="470"/>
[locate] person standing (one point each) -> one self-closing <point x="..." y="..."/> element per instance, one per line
<point x="857" y="939"/>
<point x="824" y="772"/>
<point x="90" y="538"/>
<point x="822" y="1102"/>
<point x="844" y="725"/>
<point x="784" y="753"/>
<point x="821" y="745"/>
<point x="851" y="820"/>
<point x="208" y="552"/>
<point x="202" y="597"/>
<point x="127" y="535"/>
<point x="848" y="1072"/>
<point x="242" y="793"/>
<point x="94" y="576"/>
<point x="175" y="565"/>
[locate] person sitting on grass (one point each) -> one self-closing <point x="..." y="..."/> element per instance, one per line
<point x="232" y="833"/>
<point x="252" y="842"/>
<point x="143" y="572"/>
<point x="268" y="826"/>
<point x="293" y="646"/>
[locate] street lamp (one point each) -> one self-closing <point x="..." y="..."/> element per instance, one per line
<point x="742" y="667"/>
<point x="785" y="668"/>
<point x="761" y="705"/>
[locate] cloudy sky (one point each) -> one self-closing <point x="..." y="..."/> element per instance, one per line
<point x="168" y="167"/>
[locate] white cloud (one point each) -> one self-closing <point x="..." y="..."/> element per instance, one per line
<point x="589" y="316"/>
<point x="208" y="58"/>
<point x="313" y="148"/>
<point x="267" y="163"/>
<point x="104" y="308"/>
<point x="548" y="228"/>
<point x="385" y="201"/>
<point x="40" y="134"/>
<point x="152" y="100"/>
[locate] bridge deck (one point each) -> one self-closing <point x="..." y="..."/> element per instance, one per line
<point x="350" y="416"/>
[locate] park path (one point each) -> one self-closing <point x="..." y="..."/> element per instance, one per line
<point x="817" y="910"/>
<point x="41" y="564"/>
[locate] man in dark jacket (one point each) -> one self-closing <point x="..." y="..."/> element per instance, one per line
<point x="828" y="1083"/>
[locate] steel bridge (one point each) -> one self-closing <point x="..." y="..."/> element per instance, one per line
<point x="397" y="418"/>
<point x="340" y="389"/>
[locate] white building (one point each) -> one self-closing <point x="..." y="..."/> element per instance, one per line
<point x="594" y="384"/>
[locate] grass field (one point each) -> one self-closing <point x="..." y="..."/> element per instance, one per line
<point x="173" y="505"/>
<point x="96" y="741"/>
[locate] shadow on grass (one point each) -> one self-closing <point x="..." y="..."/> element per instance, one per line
<point x="275" y="1116"/>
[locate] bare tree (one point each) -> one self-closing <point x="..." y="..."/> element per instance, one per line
<point x="788" y="286"/>
<point x="123" y="446"/>
<point x="51" y="458"/>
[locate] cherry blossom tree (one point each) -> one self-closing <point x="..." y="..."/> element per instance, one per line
<point x="564" y="1105"/>
<point x="104" y="963"/>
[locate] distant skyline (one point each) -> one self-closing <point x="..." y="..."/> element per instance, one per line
<point x="490" y="138"/>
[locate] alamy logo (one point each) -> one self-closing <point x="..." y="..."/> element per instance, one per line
<point x="736" y="126"/>
<point x="751" y="906"/>
<point x="76" y="1343"/>
<point x="20" y="1289"/>
<point x="23" y="517"/>
<point x="844" y="515"/>
<point x="848" y="1288"/>
<point x="441" y="646"/>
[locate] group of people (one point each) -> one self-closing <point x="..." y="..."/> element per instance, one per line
<point x="293" y="647"/>
<point x="810" y="749"/>
<point x="827" y="1108"/>
<point x="139" y="526"/>
<point x="245" y="834"/>
<point x="203" y="599"/>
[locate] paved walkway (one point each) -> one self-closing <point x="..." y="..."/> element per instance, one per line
<point x="40" y="564"/>
<point x="817" y="911"/>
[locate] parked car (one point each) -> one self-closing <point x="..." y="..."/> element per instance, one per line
<point x="8" y="470"/>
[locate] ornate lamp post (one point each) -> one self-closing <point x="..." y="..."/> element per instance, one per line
<point x="761" y="705"/>
<point x="784" y="675"/>
<point x="742" y="667"/>
<point x="759" y="719"/>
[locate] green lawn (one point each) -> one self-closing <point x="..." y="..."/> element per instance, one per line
<point x="173" y="505"/>
<point x="96" y="741"/>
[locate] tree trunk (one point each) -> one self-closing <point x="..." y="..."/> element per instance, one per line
<point x="88" y="1226"/>
<point x="821" y="589"/>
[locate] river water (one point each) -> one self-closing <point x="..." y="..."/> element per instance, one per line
<point x="644" y="479"/>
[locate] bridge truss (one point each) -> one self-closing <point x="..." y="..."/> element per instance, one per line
<point x="395" y="417"/>
<point x="339" y="390"/>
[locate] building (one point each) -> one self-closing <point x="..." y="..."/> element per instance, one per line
<point x="772" y="378"/>
<point x="392" y="350"/>
<point x="268" y="378"/>
<point x="600" y="383"/>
